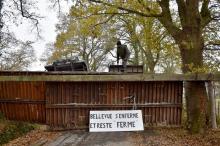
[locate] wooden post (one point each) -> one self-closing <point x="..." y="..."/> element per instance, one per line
<point x="212" y="105"/>
<point x="218" y="108"/>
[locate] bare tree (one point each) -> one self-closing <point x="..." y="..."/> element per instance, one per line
<point x="15" y="54"/>
<point x="15" y="58"/>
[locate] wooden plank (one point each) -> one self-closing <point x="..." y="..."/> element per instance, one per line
<point x="19" y="104"/>
<point x="115" y="77"/>
<point x="77" y="105"/>
<point x="20" y="100"/>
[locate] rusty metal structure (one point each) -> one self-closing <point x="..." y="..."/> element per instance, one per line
<point x="129" y="68"/>
<point x="71" y="64"/>
<point x="63" y="100"/>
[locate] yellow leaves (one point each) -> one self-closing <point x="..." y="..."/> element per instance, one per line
<point x="196" y="69"/>
<point x="142" y="6"/>
<point x="111" y="10"/>
<point x="87" y="27"/>
<point x="60" y="40"/>
<point x="72" y="30"/>
<point x="86" y="23"/>
<point x="94" y="9"/>
<point x="77" y="12"/>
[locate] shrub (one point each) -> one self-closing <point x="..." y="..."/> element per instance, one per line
<point x="2" y="116"/>
<point x="14" y="130"/>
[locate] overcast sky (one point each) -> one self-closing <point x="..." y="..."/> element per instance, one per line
<point x="47" y="26"/>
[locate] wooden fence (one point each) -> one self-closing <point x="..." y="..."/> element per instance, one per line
<point x="68" y="103"/>
<point x="24" y="101"/>
<point x="63" y="100"/>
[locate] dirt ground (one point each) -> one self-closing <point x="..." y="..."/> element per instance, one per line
<point x="149" y="137"/>
<point x="34" y="138"/>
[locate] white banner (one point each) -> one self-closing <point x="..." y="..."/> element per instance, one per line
<point x="116" y="120"/>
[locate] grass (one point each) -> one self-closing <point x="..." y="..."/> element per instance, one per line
<point x="10" y="130"/>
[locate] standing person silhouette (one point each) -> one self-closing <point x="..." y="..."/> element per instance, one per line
<point x="123" y="53"/>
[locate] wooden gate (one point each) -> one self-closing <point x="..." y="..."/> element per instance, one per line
<point x="23" y="101"/>
<point x="68" y="103"/>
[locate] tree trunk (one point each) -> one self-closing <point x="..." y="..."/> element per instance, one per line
<point x="190" y="41"/>
<point x="212" y="105"/>
<point x="196" y="106"/>
<point x="136" y="53"/>
<point x="191" y="47"/>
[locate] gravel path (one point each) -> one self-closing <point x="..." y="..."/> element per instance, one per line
<point x="93" y="139"/>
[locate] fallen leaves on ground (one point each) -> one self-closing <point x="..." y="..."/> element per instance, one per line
<point x="149" y="137"/>
<point x="34" y="136"/>
<point x="176" y="137"/>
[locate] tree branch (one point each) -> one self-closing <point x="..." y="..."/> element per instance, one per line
<point x="57" y="3"/>
<point x="166" y="19"/>
<point x="131" y="11"/>
<point x="112" y="54"/>
<point x="146" y="7"/>
<point x="97" y="14"/>
<point x="215" y="7"/>
<point x="182" y="11"/>
<point x="105" y="21"/>
<point x="205" y="13"/>
<point x="213" y="46"/>
<point x="1" y="23"/>
<point x="24" y="13"/>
